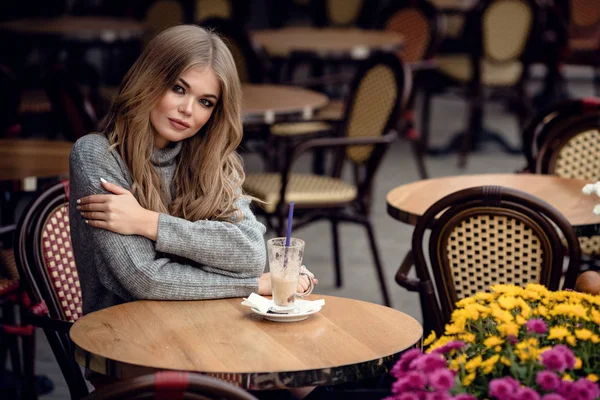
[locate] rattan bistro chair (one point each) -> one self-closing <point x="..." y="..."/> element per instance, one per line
<point x="364" y="136"/>
<point x="46" y="266"/>
<point x="485" y="236"/>
<point x="171" y="385"/>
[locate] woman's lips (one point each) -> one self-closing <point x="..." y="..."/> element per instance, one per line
<point x="177" y="124"/>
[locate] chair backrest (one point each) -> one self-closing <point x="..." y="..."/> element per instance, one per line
<point x="583" y="17"/>
<point x="500" y="31"/>
<point x="163" y="14"/>
<point x="417" y="22"/>
<point x="72" y="110"/>
<point x="343" y="13"/>
<point x="550" y="123"/>
<point x="46" y="266"/>
<point x="249" y="64"/>
<point x="572" y="150"/>
<point x="491" y="235"/>
<point x="171" y="385"/>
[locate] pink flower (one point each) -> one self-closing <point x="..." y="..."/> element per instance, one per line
<point x="536" y="325"/>
<point x="441" y="379"/>
<point x="552" y="396"/>
<point x="437" y="396"/>
<point x="448" y="347"/>
<point x="547" y="380"/>
<point x="402" y="365"/>
<point x="415" y="380"/>
<point x="567" y="389"/>
<point x="465" y="396"/>
<point x="567" y="354"/>
<point x="527" y="394"/>
<point x="586" y="389"/>
<point x="502" y="388"/>
<point x="554" y="360"/>
<point x="428" y="362"/>
<point x="407" y="396"/>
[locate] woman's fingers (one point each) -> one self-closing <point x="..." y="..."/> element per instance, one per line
<point x="92" y="207"/>
<point x="94" y="215"/>
<point x="305" y="270"/>
<point x="95" y="198"/>
<point x="303" y="284"/>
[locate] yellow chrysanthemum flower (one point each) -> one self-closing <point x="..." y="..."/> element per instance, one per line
<point x="571" y="340"/>
<point x="595" y="339"/>
<point x="578" y="363"/>
<point x="592" y="377"/>
<point x="567" y="377"/>
<point x="430" y="339"/>
<point x="488" y="365"/>
<point x="508" y="329"/>
<point x="583" y="334"/>
<point x="507" y="302"/>
<point x="492" y="341"/>
<point x="467" y="380"/>
<point x="467" y="337"/>
<point x="505" y="361"/>
<point x="473" y="363"/>
<point x="558" y="332"/>
<point x="595" y="316"/>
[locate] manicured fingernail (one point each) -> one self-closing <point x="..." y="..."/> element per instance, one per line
<point x="78" y="201"/>
<point x="103" y="180"/>
<point x="78" y="207"/>
<point x="86" y="221"/>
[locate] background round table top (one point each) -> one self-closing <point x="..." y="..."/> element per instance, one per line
<point x="20" y="159"/>
<point x="265" y="101"/>
<point x="223" y="337"/>
<point x="82" y="28"/>
<point x="326" y="42"/>
<point x="454" y="5"/>
<point x="408" y="202"/>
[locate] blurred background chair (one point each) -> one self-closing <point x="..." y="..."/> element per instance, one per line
<point x="46" y="266"/>
<point x="485" y="236"/>
<point x="342" y="13"/>
<point x="418" y="23"/>
<point x="499" y="34"/>
<point x="378" y="93"/>
<point x="171" y="385"/>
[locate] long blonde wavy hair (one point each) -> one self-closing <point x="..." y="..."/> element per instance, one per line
<point x="209" y="171"/>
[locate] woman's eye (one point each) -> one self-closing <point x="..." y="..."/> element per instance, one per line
<point x="206" y="103"/>
<point x="178" y="89"/>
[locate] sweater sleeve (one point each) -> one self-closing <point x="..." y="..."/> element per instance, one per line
<point x="133" y="260"/>
<point x="229" y="248"/>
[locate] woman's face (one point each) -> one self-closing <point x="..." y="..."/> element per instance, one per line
<point x="184" y="109"/>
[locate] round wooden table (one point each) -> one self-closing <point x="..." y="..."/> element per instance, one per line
<point x="264" y="102"/>
<point x="21" y="159"/>
<point x="78" y="28"/>
<point x="407" y="203"/>
<point x="347" y="340"/>
<point x="326" y="42"/>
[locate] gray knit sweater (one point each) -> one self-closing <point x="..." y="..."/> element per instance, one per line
<point x="189" y="260"/>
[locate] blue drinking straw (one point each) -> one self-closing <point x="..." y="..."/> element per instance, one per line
<point x="288" y="234"/>
<point x="289" y="225"/>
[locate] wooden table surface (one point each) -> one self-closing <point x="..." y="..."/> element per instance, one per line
<point x="326" y="42"/>
<point x="265" y="102"/>
<point x="346" y="341"/>
<point x="106" y="29"/>
<point x="408" y="202"/>
<point x="21" y="159"/>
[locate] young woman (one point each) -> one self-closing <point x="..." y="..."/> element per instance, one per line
<point x="157" y="210"/>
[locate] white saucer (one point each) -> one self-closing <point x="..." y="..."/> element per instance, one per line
<point x="293" y="317"/>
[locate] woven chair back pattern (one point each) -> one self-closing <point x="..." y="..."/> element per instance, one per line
<point x="584" y="13"/>
<point x="484" y="249"/>
<point x="577" y="158"/>
<point x="344" y="12"/>
<point x="373" y="103"/>
<point x="60" y="263"/>
<point x="206" y="9"/>
<point x="164" y="14"/>
<point x="414" y="27"/>
<point x="506" y="26"/>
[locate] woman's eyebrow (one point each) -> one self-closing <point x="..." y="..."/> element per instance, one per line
<point x="187" y="85"/>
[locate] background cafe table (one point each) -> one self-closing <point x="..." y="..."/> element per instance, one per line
<point x="263" y="103"/>
<point x="22" y="159"/>
<point x="347" y="340"/>
<point x="407" y="203"/>
<point x="326" y="42"/>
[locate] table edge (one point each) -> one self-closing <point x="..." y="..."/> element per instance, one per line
<point x="256" y="380"/>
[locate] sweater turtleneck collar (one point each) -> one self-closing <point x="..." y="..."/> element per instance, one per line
<point x="166" y="156"/>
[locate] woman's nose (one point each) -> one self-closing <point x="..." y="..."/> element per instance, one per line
<point x="186" y="107"/>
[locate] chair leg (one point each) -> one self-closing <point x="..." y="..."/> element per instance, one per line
<point x="378" y="266"/>
<point x="337" y="260"/>
<point x="474" y="128"/>
<point x="418" y="152"/>
<point x="425" y="110"/>
<point x="597" y="81"/>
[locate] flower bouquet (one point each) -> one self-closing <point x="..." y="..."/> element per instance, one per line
<point x="513" y="343"/>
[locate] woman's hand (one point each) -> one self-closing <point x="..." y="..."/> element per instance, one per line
<point x="119" y="212"/>
<point x="303" y="283"/>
